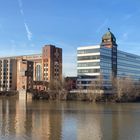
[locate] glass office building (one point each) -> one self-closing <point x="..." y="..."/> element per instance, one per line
<point x="128" y="65"/>
<point x="105" y="61"/>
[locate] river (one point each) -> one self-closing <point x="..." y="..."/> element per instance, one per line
<point x="60" y="120"/>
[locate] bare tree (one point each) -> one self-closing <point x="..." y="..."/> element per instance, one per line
<point x="100" y="83"/>
<point x="92" y="90"/>
<point x="136" y="89"/>
<point x="95" y="88"/>
<point x="80" y="90"/>
<point x="129" y="87"/>
<point x="125" y="88"/>
<point x="113" y="81"/>
<point x="120" y="88"/>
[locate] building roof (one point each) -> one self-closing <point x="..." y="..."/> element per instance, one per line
<point x="109" y="35"/>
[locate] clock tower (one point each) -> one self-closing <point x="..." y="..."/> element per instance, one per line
<point x="109" y="41"/>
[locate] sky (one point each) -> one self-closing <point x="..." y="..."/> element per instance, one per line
<point x="27" y="25"/>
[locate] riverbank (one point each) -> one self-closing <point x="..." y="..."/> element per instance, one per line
<point x="67" y="96"/>
<point x="90" y="97"/>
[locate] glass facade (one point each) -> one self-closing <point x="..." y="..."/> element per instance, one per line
<point x="99" y="63"/>
<point x="128" y="65"/>
<point x="105" y="61"/>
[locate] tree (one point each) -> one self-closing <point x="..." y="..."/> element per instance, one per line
<point x="120" y="88"/>
<point x="125" y="88"/>
<point x="95" y="88"/>
<point x="80" y="89"/>
<point x="113" y="81"/>
<point x="92" y="91"/>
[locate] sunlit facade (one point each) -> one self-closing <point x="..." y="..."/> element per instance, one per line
<point x="19" y="72"/>
<point x="51" y="63"/>
<point x="8" y="72"/>
<point x="93" y="62"/>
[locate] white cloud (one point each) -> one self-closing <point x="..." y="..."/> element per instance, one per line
<point x="21" y="7"/>
<point x="29" y="33"/>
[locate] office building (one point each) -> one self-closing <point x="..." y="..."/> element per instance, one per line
<point x="106" y="61"/>
<point x="19" y="72"/>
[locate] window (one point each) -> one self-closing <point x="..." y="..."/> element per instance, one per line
<point x="88" y="57"/>
<point x="38" y="73"/>
<point x="88" y="51"/>
<point x="88" y="70"/>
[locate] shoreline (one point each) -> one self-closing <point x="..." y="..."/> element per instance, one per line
<point x="88" y="97"/>
<point x="67" y="96"/>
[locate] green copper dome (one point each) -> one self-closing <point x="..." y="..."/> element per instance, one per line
<point x="109" y="35"/>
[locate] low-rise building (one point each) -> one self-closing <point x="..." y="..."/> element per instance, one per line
<point x="70" y="83"/>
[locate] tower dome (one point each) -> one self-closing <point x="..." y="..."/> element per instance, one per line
<point x="108" y="38"/>
<point x="109" y="35"/>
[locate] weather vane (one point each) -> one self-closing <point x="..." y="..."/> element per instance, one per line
<point x="108" y="29"/>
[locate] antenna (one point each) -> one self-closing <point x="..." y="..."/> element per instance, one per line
<point x="108" y="29"/>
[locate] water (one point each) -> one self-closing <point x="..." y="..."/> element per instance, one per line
<point x="51" y="120"/>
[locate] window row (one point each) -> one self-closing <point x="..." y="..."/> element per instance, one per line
<point x="129" y="64"/>
<point x="96" y="50"/>
<point x="88" y="70"/>
<point x="88" y="57"/>
<point x="88" y="64"/>
<point x="127" y="71"/>
<point x="128" y="59"/>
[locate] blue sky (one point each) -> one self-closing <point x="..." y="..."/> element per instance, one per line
<point x="27" y="25"/>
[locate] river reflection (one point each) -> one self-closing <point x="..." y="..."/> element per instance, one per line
<point x="44" y="120"/>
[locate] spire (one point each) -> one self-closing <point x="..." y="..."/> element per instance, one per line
<point x="108" y="38"/>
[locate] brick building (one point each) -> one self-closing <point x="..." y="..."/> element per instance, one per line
<point x="51" y="63"/>
<point x="24" y="75"/>
<point x="19" y="72"/>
